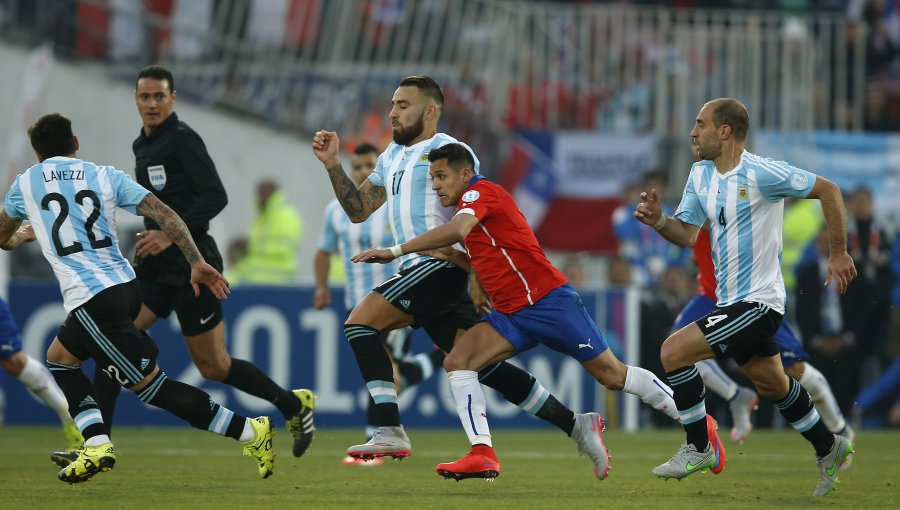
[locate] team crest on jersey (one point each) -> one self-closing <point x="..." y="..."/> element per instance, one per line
<point x="157" y="175"/>
<point x="423" y="157"/>
<point x="742" y="193"/>
<point x="471" y="196"/>
<point x="799" y="181"/>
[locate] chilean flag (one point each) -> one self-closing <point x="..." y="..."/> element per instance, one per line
<point x="568" y="184"/>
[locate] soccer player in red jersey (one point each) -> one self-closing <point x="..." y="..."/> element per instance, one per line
<point x="532" y="303"/>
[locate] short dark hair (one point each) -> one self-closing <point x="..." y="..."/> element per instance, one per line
<point x="156" y="73"/>
<point x="365" y="148"/>
<point x="427" y="86"/>
<point x="732" y="113"/>
<point x="52" y="136"/>
<point x="456" y="154"/>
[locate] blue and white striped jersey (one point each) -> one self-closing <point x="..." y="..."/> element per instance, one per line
<point x="745" y="209"/>
<point x="342" y="235"/>
<point x="413" y="207"/>
<point x="72" y="207"/>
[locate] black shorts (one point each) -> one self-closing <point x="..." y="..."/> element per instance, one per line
<point x="436" y="294"/>
<point x="165" y="282"/>
<point x="741" y="331"/>
<point x="103" y="329"/>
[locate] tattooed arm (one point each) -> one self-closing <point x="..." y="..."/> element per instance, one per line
<point x="172" y="225"/>
<point x="175" y="228"/>
<point x="11" y="235"/>
<point x="357" y="203"/>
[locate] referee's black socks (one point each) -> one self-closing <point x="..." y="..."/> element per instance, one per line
<point x="248" y="378"/>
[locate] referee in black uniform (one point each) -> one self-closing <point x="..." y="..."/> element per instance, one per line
<point x="173" y="163"/>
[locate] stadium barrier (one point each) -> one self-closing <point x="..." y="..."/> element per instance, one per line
<point x="301" y="347"/>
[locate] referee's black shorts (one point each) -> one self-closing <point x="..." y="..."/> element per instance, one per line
<point x="436" y="293"/>
<point x="741" y="331"/>
<point x="165" y="282"/>
<point x="103" y="329"/>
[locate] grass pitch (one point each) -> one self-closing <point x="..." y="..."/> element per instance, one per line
<point x="173" y="468"/>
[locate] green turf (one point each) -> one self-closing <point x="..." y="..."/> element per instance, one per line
<point x="172" y="468"/>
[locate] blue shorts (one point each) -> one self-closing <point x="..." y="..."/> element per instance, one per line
<point x="558" y="320"/>
<point x="10" y="340"/>
<point x="788" y="343"/>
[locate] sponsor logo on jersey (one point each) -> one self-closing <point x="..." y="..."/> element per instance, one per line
<point x="157" y="174"/>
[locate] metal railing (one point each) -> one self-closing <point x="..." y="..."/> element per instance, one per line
<point x="504" y="65"/>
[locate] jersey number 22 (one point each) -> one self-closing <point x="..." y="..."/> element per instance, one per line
<point x="76" y="246"/>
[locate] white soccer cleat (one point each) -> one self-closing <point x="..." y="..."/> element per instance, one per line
<point x="385" y="442"/>
<point x="687" y="461"/>
<point x="588" y="435"/>
<point x="830" y="465"/>
<point x="745" y="401"/>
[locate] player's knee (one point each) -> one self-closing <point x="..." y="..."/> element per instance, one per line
<point x="671" y="356"/>
<point x="213" y="371"/>
<point x="14" y="365"/>
<point x="456" y="361"/>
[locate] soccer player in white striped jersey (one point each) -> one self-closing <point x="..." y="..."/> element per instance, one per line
<point x="340" y="235"/>
<point x="428" y="292"/>
<point x="71" y="205"/>
<point x="742" y="196"/>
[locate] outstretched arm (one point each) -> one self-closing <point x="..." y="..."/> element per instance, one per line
<point x="11" y="235"/>
<point x="174" y="227"/>
<point x="840" y="263"/>
<point x="649" y="212"/>
<point x="358" y="203"/>
<point x="447" y="234"/>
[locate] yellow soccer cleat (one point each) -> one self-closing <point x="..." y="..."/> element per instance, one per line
<point x="75" y="446"/>
<point x="260" y="447"/>
<point x="91" y="460"/>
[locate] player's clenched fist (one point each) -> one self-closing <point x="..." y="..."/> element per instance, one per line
<point x="325" y="146"/>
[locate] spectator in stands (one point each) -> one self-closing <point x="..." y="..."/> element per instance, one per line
<point x="870" y="246"/>
<point x="648" y="253"/>
<point x="824" y="318"/>
<point x="274" y="240"/>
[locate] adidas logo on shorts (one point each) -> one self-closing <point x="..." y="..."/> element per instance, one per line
<point x="404" y="303"/>
<point x="144" y="363"/>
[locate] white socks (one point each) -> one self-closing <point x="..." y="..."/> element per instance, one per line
<point x="248" y="434"/>
<point x="470" y="405"/>
<point x="815" y="383"/>
<point x="651" y="390"/>
<point x="96" y="440"/>
<point x="716" y="379"/>
<point x="37" y="378"/>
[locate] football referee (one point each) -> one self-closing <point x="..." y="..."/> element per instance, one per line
<point x="173" y="163"/>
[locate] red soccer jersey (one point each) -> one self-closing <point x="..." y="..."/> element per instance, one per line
<point x="504" y="252"/>
<point x="706" y="272"/>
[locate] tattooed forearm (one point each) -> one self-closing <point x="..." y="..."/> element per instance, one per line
<point x="375" y="197"/>
<point x="346" y="192"/>
<point x="172" y="225"/>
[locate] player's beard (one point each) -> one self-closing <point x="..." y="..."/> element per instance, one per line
<point x="405" y="135"/>
<point x="708" y="152"/>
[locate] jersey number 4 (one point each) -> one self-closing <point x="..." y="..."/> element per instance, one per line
<point x="75" y="247"/>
